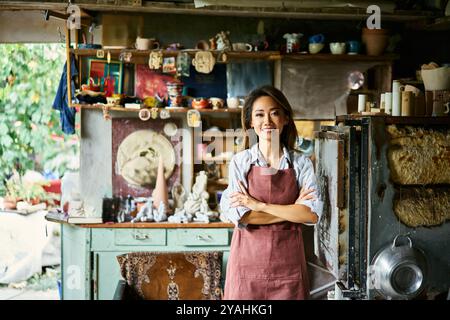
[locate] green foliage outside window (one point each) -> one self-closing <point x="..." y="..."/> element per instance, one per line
<point x="30" y="131"/>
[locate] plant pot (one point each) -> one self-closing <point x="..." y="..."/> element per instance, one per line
<point x="376" y="41"/>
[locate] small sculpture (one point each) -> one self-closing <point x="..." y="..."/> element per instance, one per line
<point x="180" y="216"/>
<point x="292" y="42"/>
<point x="204" y="62"/>
<point x="212" y="43"/>
<point x="160" y="193"/>
<point x="160" y="214"/>
<point x="155" y="60"/>
<point x="196" y="204"/>
<point x="178" y="195"/>
<point x="145" y="214"/>
<point x="222" y="41"/>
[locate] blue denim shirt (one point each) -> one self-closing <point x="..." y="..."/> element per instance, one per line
<point x="67" y="114"/>
<point x="240" y="166"/>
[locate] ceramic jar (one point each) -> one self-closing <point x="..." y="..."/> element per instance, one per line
<point x="376" y="41"/>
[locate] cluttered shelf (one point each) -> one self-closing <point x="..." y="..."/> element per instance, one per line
<point x="172" y="110"/>
<point x="445" y="120"/>
<point x="60" y="218"/>
<point x="225" y="55"/>
<point x="164" y="225"/>
<point x="340" y="57"/>
<point x="232" y="55"/>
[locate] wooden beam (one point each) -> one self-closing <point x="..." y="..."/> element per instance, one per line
<point x="85" y="20"/>
<point x="317" y="13"/>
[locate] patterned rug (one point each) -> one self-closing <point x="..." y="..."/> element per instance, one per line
<point x="173" y="276"/>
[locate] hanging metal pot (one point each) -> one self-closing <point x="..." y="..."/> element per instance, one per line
<point x="399" y="271"/>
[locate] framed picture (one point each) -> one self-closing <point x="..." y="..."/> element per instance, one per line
<point x="100" y="70"/>
<point x="150" y="83"/>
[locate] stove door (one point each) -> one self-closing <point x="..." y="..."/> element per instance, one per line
<point x="336" y="150"/>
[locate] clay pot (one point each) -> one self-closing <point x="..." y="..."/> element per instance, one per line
<point x="376" y="41"/>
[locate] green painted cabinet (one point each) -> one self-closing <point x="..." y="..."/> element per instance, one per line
<point x="90" y="269"/>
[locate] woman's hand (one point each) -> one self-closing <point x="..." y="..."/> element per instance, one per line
<point x="305" y="194"/>
<point x="244" y="199"/>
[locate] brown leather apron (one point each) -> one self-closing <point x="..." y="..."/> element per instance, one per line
<point x="268" y="261"/>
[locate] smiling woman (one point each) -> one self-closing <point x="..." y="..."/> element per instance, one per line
<point x="272" y="189"/>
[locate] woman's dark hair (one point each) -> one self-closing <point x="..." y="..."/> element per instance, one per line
<point x="289" y="133"/>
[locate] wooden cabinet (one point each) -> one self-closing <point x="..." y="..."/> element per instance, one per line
<point x="90" y="269"/>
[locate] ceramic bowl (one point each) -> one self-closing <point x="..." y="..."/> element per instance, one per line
<point x="337" y="47"/>
<point x="315" y="47"/>
<point x="200" y="103"/>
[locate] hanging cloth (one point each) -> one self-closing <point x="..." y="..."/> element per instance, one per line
<point x="67" y="114"/>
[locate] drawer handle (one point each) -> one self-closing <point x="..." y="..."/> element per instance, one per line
<point x="141" y="236"/>
<point x="204" y="238"/>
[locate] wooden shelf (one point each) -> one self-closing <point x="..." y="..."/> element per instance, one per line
<point x="171" y="110"/>
<point x="181" y="7"/>
<point x="412" y="120"/>
<point x="164" y="225"/>
<point x="226" y="55"/>
<point x="340" y="57"/>
<point x="237" y="55"/>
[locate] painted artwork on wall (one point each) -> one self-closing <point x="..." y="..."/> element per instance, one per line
<point x="150" y="83"/>
<point x="136" y="146"/>
<point x="107" y="75"/>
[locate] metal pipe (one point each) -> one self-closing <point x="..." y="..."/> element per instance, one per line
<point x="322" y="287"/>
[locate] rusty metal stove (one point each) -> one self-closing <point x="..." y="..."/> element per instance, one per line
<point x="359" y="219"/>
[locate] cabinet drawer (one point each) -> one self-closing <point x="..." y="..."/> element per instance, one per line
<point x="140" y="237"/>
<point x="202" y="237"/>
<point x="120" y="239"/>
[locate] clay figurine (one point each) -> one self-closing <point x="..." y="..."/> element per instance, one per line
<point x="145" y="214"/>
<point x="178" y="195"/>
<point x="222" y="41"/>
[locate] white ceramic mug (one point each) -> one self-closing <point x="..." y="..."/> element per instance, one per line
<point x="233" y="102"/>
<point x="241" y="46"/>
<point x="146" y="43"/>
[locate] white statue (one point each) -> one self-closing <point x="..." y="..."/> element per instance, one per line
<point x="222" y="41"/>
<point x="201" y="182"/>
<point x="178" y="195"/>
<point x="145" y="214"/>
<point x="197" y="201"/>
<point x="160" y="214"/>
<point x="180" y="216"/>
